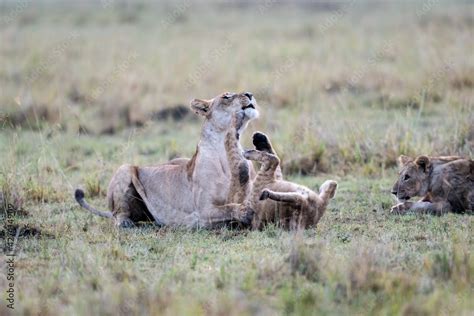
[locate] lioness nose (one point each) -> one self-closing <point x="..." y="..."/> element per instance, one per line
<point x="248" y="95"/>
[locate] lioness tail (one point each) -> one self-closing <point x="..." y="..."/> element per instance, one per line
<point x="79" y="195"/>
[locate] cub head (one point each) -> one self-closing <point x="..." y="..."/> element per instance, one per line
<point x="220" y="110"/>
<point x="413" y="177"/>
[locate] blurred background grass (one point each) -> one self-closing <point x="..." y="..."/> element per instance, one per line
<point x="343" y="85"/>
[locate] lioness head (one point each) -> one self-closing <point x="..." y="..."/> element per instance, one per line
<point x="413" y="177"/>
<point x="220" y="110"/>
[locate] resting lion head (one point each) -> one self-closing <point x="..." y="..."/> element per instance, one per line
<point x="220" y="110"/>
<point x="413" y="177"/>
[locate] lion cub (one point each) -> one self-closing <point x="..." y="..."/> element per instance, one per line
<point x="445" y="183"/>
<point x="273" y="199"/>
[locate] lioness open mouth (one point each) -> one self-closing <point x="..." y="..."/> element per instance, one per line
<point x="251" y="106"/>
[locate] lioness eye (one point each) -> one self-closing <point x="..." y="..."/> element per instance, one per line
<point x="406" y="177"/>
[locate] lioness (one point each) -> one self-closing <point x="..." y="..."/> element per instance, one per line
<point x="184" y="192"/>
<point x="273" y="199"/>
<point x="445" y="183"/>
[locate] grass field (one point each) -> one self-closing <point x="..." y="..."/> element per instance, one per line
<point x="343" y="88"/>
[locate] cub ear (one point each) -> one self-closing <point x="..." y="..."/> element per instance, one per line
<point x="201" y="107"/>
<point x="403" y="160"/>
<point x="423" y="162"/>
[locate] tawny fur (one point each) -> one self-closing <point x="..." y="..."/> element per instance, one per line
<point x="446" y="184"/>
<point x="184" y="192"/>
<point x="273" y="199"/>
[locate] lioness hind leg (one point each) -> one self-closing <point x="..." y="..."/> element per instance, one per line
<point x="121" y="221"/>
<point x="124" y="201"/>
<point x="130" y="209"/>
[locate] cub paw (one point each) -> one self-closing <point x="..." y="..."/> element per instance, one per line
<point x="329" y="187"/>
<point x="264" y="195"/>
<point x="261" y="142"/>
<point x="398" y="209"/>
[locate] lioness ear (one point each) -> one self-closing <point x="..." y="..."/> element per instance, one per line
<point x="403" y="160"/>
<point x="201" y="107"/>
<point x="423" y="162"/>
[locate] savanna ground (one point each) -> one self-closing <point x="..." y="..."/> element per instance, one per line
<point x="343" y="88"/>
